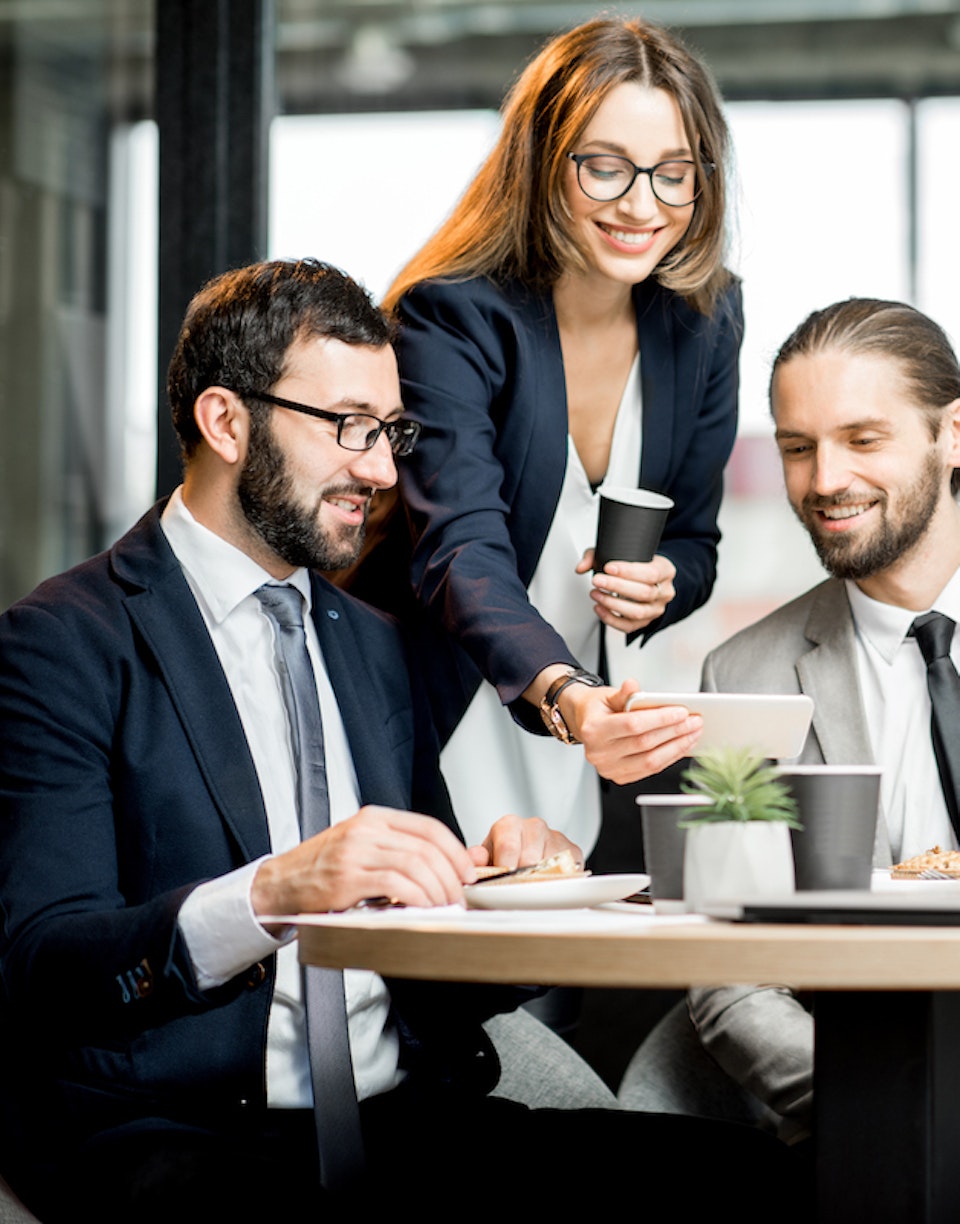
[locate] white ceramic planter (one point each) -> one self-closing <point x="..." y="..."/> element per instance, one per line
<point x="737" y="860"/>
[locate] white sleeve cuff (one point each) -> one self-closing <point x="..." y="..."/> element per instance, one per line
<point x="221" y="930"/>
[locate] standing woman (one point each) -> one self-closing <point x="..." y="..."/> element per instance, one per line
<point x="571" y="323"/>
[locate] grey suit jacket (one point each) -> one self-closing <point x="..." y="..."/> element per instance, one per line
<point x="761" y="1036"/>
<point x="807" y="646"/>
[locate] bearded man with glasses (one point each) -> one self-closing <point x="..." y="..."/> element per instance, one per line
<point x="198" y="734"/>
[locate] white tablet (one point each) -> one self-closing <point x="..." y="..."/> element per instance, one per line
<point x="772" y="725"/>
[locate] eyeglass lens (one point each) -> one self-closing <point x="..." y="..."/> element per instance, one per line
<point x="357" y="434"/>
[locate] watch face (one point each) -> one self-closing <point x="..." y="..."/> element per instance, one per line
<point x="557" y="726"/>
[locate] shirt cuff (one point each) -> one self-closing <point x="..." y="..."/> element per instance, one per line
<point x="221" y="930"/>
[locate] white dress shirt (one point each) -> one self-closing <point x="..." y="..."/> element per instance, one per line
<point x="217" y="919"/>
<point x="893" y="681"/>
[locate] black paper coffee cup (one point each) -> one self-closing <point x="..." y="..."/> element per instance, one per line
<point x="631" y="524"/>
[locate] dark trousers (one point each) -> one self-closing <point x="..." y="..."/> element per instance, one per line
<point x="431" y="1150"/>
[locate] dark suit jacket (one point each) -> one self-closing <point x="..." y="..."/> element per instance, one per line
<point x="482" y="368"/>
<point x="125" y="779"/>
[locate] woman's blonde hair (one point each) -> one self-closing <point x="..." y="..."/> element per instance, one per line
<point x="513" y="223"/>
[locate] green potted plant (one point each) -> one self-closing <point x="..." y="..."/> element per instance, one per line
<point x="738" y="842"/>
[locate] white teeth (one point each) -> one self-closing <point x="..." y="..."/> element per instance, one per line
<point x="344" y="505"/>
<point x="845" y="512"/>
<point x="630" y="237"/>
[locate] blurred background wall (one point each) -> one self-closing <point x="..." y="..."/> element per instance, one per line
<point x="144" y="147"/>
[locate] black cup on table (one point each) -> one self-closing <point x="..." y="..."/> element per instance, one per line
<point x="663" y="845"/>
<point x="631" y="524"/>
<point x="837" y="805"/>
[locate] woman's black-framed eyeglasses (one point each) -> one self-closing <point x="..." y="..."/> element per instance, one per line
<point x="608" y="176"/>
<point x="356" y="431"/>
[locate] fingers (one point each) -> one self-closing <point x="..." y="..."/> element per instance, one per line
<point x="617" y="701"/>
<point x="629" y="595"/>
<point x="554" y="842"/>
<point x="585" y="564"/>
<point x="378" y="852"/>
<point x="480" y="855"/>
<point x="626" y="746"/>
<point x="417" y="859"/>
<point x="515" y="841"/>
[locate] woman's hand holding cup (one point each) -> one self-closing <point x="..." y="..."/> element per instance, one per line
<point x="629" y="595"/>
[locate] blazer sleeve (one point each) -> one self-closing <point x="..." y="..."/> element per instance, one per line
<point x="80" y="936"/>
<point x="708" y="381"/>
<point x="462" y="353"/>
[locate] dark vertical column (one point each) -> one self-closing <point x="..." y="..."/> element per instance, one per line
<point x="215" y="99"/>
<point x="887" y="1102"/>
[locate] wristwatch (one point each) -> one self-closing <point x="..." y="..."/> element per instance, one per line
<point x="553" y="720"/>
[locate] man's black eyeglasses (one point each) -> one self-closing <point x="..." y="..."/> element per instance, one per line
<point x="356" y="431"/>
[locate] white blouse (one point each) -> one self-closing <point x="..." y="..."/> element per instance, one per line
<point x="494" y="767"/>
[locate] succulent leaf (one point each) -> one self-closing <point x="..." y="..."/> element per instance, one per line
<point x="740" y="786"/>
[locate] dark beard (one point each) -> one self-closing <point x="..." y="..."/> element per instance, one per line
<point x="289" y="529"/>
<point x="845" y="557"/>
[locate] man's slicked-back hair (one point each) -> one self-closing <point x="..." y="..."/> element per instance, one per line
<point x="891" y="329"/>
<point x="239" y="327"/>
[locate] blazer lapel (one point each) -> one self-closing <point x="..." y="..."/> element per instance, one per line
<point x="536" y="436"/>
<point x="167" y="616"/>
<point x="658" y="389"/>
<point x="345" y="661"/>
<point x="828" y="674"/>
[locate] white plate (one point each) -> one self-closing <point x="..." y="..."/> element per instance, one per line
<point x="578" y="893"/>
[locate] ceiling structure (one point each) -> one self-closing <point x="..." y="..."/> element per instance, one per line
<point x="374" y="55"/>
<point x="342" y="55"/>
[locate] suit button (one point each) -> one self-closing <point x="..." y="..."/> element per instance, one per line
<point x="256" y="975"/>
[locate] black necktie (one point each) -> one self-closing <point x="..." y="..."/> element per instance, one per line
<point x="337" y="1117"/>
<point x="934" y="634"/>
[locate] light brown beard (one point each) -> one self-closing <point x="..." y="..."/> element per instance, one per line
<point x="845" y="556"/>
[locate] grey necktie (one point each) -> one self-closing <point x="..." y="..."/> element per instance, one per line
<point x="337" y="1116"/>
<point x="934" y="634"/>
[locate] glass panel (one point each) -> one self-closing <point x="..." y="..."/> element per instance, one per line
<point x="364" y="192"/>
<point x="821" y="214"/>
<point x="938" y="190"/>
<point x="72" y="81"/>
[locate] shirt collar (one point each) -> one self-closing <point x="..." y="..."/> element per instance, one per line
<point x="885" y="626"/>
<point x="221" y="573"/>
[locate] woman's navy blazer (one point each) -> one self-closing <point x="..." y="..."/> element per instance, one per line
<point x="482" y="370"/>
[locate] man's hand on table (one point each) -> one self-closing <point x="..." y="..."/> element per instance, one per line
<point x="382" y="852"/>
<point x="518" y="842"/>
<point x="379" y="852"/>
